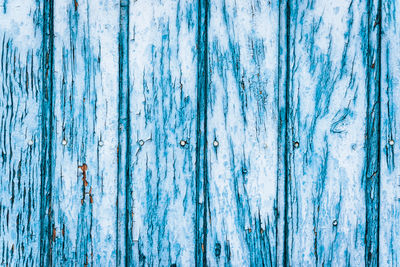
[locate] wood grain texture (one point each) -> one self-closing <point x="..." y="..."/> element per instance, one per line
<point x="326" y="133"/>
<point x="20" y="132"/>
<point x="85" y="142"/>
<point x="199" y="133"/>
<point x="242" y="133"/>
<point x="389" y="234"/>
<point x="163" y="95"/>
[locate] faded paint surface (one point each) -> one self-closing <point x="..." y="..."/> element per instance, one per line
<point x="199" y="133"/>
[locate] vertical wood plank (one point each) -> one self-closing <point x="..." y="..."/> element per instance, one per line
<point x="20" y="144"/>
<point x="242" y="133"/>
<point x="389" y="229"/>
<point x="163" y="131"/>
<point x="327" y="127"/>
<point x="85" y="133"/>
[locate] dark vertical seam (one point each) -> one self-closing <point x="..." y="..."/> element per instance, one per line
<point x="201" y="134"/>
<point x="380" y="112"/>
<point x="46" y="166"/>
<point x="373" y="155"/>
<point x="123" y="179"/>
<point x="284" y="137"/>
<point x="278" y="176"/>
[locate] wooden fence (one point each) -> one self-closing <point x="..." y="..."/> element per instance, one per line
<point x="199" y="132"/>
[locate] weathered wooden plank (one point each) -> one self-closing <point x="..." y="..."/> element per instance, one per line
<point x="242" y="133"/>
<point x="180" y="133"/>
<point x="163" y="110"/>
<point x="389" y="228"/>
<point x="20" y="60"/>
<point x="326" y="127"/>
<point x="85" y="134"/>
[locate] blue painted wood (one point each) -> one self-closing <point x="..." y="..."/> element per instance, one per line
<point x="242" y="133"/>
<point x="124" y="220"/>
<point x="328" y="214"/>
<point x="163" y="103"/>
<point x="373" y="140"/>
<point x="85" y="159"/>
<point x="389" y="224"/>
<point x="20" y="132"/>
<point x="199" y="133"/>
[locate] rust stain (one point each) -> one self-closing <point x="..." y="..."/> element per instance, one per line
<point x="76" y="5"/>
<point x="54" y="233"/>
<point x="202" y="247"/>
<point x="373" y="65"/>
<point x="315" y="243"/>
<point x="90" y="195"/>
<point x="84" y="169"/>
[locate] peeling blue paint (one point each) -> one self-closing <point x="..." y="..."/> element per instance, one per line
<point x="199" y="133"/>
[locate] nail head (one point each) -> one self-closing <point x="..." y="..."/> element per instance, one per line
<point x="182" y="143"/>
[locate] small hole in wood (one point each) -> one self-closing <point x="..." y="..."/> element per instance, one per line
<point x="215" y="143"/>
<point x="182" y="143"/>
